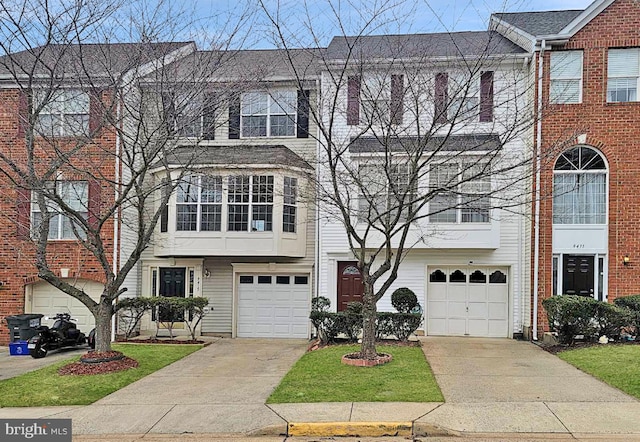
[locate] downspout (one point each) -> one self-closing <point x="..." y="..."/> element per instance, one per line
<point x="116" y="215"/>
<point x="536" y="222"/>
<point x="317" y="194"/>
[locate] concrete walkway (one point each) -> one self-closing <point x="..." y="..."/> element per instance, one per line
<point x="492" y="387"/>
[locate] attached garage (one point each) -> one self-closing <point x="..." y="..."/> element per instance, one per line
<point x="273" y="306"/>
<point x="45" y="299"/>
<point x="471" y="301"/>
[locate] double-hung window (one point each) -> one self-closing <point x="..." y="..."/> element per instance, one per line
<point x="75" y="194"/>
<point x="461" y="193"/>
<point x="623" y="74"/>
<point x="290" y="200"/>
<point x="199" y="204"/>
<point x="269" y="114"/>
<point x="62" y="113"/>
<point x="376" y="98"/>
<point x="250" y="198"/>
<point x="385" y="192"/>
<point x="464" y="97"/>
<point x="566" y="77"/>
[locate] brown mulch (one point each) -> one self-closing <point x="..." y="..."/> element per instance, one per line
<point x="159" y="341"/>
<point x="112" y="366"/>
<point x="555" y="349"/>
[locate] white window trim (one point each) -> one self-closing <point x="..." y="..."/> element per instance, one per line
<point x="556" y="77"/>
<point x="250" y="204"/>
<point x="61" y="127"/>
<point x="199" y="203"/>
<point x="612" y="76"/>
<point x="35" y="208"/>
<point x="268" y="114"/>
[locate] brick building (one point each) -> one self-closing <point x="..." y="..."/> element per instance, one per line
<point x="586" y="72"/>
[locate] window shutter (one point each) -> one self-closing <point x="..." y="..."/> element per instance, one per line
<point x="169" y="109"/>
<point x="95" y="199"/>
<point x="23" y="209"/>
<point x="23" y="111"/>
<point x="486" y="97"/>
<point x="353" y="101"/>
<point x="397" y="99"/>
<point x="441" y="98"/>
<point x="96" y="111"/>
<point x="209" y="116"/>
<point x="234" y="117"/>
<point x="303" y="114"/>
<point x="164" y="215"/>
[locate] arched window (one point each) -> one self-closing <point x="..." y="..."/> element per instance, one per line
<point x="477" y="277"/>
<point x="580" y="187"/>
<point x="458" y="276"/>
<point x="437" y="276"/>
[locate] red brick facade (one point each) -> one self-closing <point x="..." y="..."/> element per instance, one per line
<point x="613" y="129"/>
<point x="17" y="267"/>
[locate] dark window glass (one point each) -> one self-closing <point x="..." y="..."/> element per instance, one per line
<point x="283" y="279"/>
<point x="246" y="279"/>
<point x="301" y="280"/>
<point x="478" y="277"/>
<point x="438" y="276"/>
<point x="458" y="276"/>
<point x="264" y="279"/>
<point x="497" y="277"/>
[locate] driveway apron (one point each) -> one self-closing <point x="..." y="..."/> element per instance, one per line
<point x="219" y="389"/>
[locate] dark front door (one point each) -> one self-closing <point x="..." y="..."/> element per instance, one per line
<point x="350" y="286"/>
<point x="172" y="282"/>
<point x="578" y="275"/>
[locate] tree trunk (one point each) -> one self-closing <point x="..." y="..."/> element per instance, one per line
<point x="369" y="316"/>
<point x="103" y="326"/>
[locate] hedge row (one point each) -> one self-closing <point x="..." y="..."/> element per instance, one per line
<point x="570" y="316"/>
<point x="330" y="325"/>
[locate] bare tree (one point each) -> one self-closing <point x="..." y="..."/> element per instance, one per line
<point x="98" y="120"/>
<point x="414" y="132"/>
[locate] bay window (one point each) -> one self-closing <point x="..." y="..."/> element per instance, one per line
<point x="461" y="193"/>
<point x="290" y="200"/>
<point x="199" y="204"/>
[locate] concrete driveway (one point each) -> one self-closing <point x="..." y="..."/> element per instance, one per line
<point x="219" y="389"/>
<point x="12" y="366"/>
<point x="504" y="385"/>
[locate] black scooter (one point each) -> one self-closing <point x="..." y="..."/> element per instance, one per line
<point x="63" y="333"/>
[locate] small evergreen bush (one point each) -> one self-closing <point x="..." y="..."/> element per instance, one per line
<point x="571" y="315"/>
<point x="404" y="300"/>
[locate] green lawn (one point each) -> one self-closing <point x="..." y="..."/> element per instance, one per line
<point x="617" y="365"/>
<point x="319" y="376"/>
<point x="45" y="387"/>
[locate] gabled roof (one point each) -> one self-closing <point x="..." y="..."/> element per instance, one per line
<point x="454" y="44"/>
<point x="540" y="23"/>
<point x="247" y="65"/>
<point x="452" y="143"/>
<point x="237" y="155"/>
<point x="100" y="60"/>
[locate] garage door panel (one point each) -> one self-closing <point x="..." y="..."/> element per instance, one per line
<point x="273" y="310"/>
<point x="48" y="300"/>
<point x="477" y="307"/>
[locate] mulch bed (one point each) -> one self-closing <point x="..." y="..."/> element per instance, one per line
<point x="114" y="362"/>
<point x="316" y="344"/>
<point x="555" y="349"/>
<point x="159" y="341"/>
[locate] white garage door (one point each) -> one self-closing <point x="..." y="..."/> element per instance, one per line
<point x="273" y="306"/>
<point x="48" y="300"/>
<point x="467" y="301"/>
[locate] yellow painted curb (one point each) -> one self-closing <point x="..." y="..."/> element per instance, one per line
<point x="362" y="429"/>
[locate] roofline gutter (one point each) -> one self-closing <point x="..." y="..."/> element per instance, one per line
<point x="536" y="219"/>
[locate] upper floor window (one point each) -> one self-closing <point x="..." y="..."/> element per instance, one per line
<point x="566" y="77"/>
<point x="269" y="114"/>
<point x="375" y="98"/>
<point x="623" y="73"/>
<point x="290" y="201"/>
<point x="383" y="194"/>
<point x="190" y="114"/>
<point x="462" y="193"/>
<point x="62" y="113"/>
<point x="74" y="194"/>
<point x="463" y="97"/>
<point x="250" y="198"/>
<point x="199" y="204"/>
<point x="580" y="187"/>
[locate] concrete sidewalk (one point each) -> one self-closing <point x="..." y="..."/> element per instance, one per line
<point x="493" y="388"/>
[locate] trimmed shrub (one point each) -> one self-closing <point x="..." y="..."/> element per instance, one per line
<point x="404" y="300"/>
<point x="611" y="319"/>
<point x="571" y="315"/>
<point x="385" y="325"/>
<point x="349" y="321"/>
<point x="320" y="304"/>
<point x="324" y="322"/>
<point x="404" y="324"/>
<point x="632" y="303"/>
